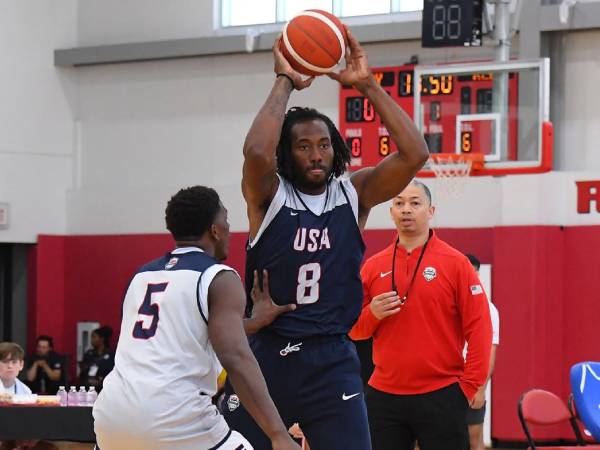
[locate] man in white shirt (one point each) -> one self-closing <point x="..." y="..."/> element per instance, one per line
<point x="476" y="413"/>
<point x="11" y="363"/>
<point x="182" y="319"/>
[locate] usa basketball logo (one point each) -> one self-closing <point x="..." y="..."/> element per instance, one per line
<point x="429" y="273"/>
<point x="171" y="263"/>
<point x="233" y="402"/>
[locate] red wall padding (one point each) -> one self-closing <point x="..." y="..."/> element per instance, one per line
<point x="46" y="290"/>
<point x="543" y="283"/>
<point x="527" y="286"/>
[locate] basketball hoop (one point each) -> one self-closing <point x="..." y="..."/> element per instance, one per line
<point x="452" y="169"/>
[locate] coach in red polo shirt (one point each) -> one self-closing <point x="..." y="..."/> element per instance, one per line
<point x="422" y="301"/>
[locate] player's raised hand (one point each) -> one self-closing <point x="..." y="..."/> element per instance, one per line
<point x="283" y="66"/>
<point x="357" y="72"/>
<point x="265" y="310"/>
<point x="386" y="304"/>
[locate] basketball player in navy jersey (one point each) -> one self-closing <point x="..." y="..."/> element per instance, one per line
<point x="305" y="223"/>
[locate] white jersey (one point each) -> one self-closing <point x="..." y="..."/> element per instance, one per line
<point x="495" y="324"/>
<point x="165" y="367"/>
<point x="495" y="317"/>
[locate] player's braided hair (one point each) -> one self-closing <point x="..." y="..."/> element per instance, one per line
<point x="191" y="212"/>
<point x="341" y="152"/>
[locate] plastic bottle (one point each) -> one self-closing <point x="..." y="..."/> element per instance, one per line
<point x="82" y="396"/>
<point x="92" y="395"/>
<point x="62" y="396"/>
<point x="72" y="396"/>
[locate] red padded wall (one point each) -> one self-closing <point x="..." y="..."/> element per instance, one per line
<point x="527" y="287"/>
<point x="543" y="282"/>
<point x="581" y="299"/>
<point x="46" y="290"/>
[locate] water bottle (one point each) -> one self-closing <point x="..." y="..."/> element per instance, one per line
<point x="92" y="395"/>
<point x="72" y="396"/>
<point x="82" y="396"/>
<point x="62" y="396"/>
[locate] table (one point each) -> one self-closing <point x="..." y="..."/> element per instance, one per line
<point x="52" y="423"/>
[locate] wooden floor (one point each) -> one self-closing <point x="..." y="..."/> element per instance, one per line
<point x="80" y="446"/>
<point x="76" y="446"/>
<point x="73" y="446"/>
<point x="53" y="445"/>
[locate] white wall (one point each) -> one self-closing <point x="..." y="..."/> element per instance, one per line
<point x="118" y="140"/>
<point x="150" y="128"/>
<point x="580" y="133"/>
<point x="545" y="199"/>
<point x="36" y="125"/>
<point x="107" y="22"/>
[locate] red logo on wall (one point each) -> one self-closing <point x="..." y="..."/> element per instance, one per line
<point x="587" y="191"/>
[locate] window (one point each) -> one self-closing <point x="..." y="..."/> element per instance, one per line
<point x="362" y="7"/>
<point x="409" y="5"/>
<point x="293" y="7"/>
<point x="243" y="13"/>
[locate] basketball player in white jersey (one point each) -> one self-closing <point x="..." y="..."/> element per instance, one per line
<point x="182" y="314"/>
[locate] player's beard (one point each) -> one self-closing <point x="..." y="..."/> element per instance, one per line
<point x="303" y="182"/>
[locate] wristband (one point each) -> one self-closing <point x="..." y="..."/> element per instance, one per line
<point x="288" y="77"/>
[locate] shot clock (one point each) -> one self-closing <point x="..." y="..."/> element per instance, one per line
<point x="448" y="23"/>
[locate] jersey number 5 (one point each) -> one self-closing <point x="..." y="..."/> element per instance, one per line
<point x="148" y="308"/>
<point x="308" y="283"/>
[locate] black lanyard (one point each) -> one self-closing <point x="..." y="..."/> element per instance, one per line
<point x="405" y="296"/>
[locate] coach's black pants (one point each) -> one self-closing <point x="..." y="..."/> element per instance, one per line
<point x="435" y="419"/>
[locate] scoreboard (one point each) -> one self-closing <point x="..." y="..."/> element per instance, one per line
<point x="444" y="99"/>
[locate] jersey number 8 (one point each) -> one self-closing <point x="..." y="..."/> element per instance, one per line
<point x="308" y="283"/>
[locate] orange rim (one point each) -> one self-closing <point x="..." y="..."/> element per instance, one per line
<point x="477" y="159"/>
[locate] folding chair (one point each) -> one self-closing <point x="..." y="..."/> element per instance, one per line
<point x="540" y="407"/>
<point x="585" y="385"/>
<point x="585" y="434"/>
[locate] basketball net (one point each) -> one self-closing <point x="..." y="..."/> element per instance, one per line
<point x="452" y="171"/>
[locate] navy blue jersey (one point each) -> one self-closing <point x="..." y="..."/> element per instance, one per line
<point x="313" y="259"/>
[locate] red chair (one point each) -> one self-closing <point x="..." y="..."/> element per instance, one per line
<point x="585" y="434"/>
<point x="539" y="407"/>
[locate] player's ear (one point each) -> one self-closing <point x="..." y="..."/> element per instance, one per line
<point x="214" y="232"/>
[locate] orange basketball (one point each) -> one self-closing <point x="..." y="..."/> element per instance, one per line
<point x="314" y="42"/>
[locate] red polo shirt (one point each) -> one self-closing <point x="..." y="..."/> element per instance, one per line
<point x="420" y="349"/>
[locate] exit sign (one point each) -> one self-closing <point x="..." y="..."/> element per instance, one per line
<point x="3" y="215"/>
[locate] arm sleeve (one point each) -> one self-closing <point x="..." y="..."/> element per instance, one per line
<point x="477" y="328"/>
<point x="367" y="323"/>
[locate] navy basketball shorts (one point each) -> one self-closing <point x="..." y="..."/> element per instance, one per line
<point x="315" y="382"/>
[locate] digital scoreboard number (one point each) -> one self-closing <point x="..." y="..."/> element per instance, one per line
<point x="444" y="98"/>
<point x="448" y="23"/>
